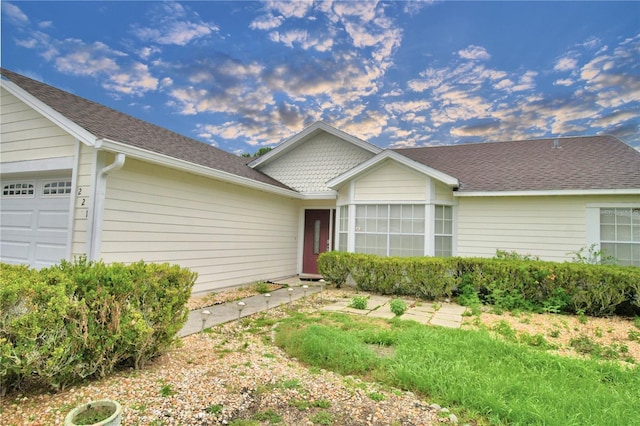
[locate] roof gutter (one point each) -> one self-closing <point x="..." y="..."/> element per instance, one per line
<point x="548" y="192"/>
<point x="98" y="204"/>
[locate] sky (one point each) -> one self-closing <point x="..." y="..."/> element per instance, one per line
<point x="244" y="75"/>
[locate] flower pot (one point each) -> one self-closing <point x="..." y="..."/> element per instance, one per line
<point x="95" y="413"/>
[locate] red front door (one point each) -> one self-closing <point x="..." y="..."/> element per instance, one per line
<point x="316" y="238"/>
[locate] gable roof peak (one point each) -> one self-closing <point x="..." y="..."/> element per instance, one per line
<point x="307" y="133"/>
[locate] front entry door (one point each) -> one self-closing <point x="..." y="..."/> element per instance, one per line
<point x="316" y="238"/>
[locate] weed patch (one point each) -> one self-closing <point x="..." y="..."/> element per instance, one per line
<point x="502" y="380"/>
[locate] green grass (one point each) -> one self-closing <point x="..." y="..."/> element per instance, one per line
<point x="503" y="382"/>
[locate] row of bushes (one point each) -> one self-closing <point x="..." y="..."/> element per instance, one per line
<point x="509" y="283"/>
<point x="83" y="319"/>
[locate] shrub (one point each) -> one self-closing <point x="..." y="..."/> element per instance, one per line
<point x="398" y="306"/>
<point x="359" y="302"/>
<point x="262" y="287"/>
<point x="334" y="266"/>
<point x="76" y="320"/>
<point x="510" y="281"/>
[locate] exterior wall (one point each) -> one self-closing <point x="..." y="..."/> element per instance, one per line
<point x="229" y="235"/>
<point x="310" y="165"/>
<point x="391" y="182"/>
<point x="548" y="227"/>
<point x="84" y="198"/>
<point x="443" y="193"/>
<point x="27" y="135"/>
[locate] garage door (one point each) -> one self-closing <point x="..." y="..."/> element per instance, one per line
<point x="34" y="220"/>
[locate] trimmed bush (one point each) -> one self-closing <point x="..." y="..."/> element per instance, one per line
<point x="76" y="320"/>
<point x="507" y="282"/>
<point x="334" y="266"/>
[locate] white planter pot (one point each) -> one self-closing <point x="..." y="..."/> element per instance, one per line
<point x="81" y="411"/>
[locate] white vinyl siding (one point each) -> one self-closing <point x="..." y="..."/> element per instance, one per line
<point x="391" y="182"/>
<point x="549" y="227"/>
<point x="310" y="165"/>
<point x="229" y="235"/>
<point x="620" y="235"/>
<point x="84" y="198"/>
<point x="443" y="193"/>
<point x="27" y="135"/>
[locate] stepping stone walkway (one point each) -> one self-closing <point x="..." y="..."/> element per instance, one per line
<point x="442" y="314"/>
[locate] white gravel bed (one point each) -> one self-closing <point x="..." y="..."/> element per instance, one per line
<point x="230" y="373"/>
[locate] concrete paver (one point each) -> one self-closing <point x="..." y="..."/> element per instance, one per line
<point x="446" y="315"/>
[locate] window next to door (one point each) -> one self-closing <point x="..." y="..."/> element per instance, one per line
<point x="396" y="229"/>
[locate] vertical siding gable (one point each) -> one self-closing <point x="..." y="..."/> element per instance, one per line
<point x="27" y="135"/>
<point x="391" y="182"/>
<point x="310" y="165"/>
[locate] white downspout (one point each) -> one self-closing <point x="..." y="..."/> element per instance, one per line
<point x="100" y="194"/>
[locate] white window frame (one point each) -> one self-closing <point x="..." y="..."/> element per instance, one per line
<point x="55" y="191"/>
<point x="593" y="222"/>
<point x="437" y="234"/>
<point x="31" y="190"/>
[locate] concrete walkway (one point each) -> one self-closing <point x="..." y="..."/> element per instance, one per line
<point x="226" y="312"/>
<point x="442" y="314"/>
<point x="433" y="313"/>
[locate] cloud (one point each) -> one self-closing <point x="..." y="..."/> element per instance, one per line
<point x="566" y="64"/>
<point x="475" y="53"/>
<point x="563" y="82"/>
<point x="485" y="129"/>
<point x="14" y="14"/>
<point x="76" y="57"/>
<point x="403" y="107"/>
<point x="616" y="118"/>
<point x="134" y="81"/>
<point x="266" y="22"/>
<point x="291" y="9"/>
<point x="174" y="24"/>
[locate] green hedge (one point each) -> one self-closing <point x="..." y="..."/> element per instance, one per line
<point x="83" y="319"/>
<point x="506" y="283"/>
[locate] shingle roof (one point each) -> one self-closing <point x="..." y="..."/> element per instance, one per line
<point x="107" y="123"/>
<point x="593" y="162"/>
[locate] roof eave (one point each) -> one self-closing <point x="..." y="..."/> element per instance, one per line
<point x="548" y="192"/>
<point x="183" y="165"/>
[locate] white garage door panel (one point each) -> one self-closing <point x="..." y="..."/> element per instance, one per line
<point x="16" y="220"/>
<point x="47" y="254"/>
<point x="53" y="221"/>
<point x="34" y="226"/>
<point x="14" y="251"/>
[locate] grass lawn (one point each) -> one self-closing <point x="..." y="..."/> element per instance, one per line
<point x="485" y="378"/>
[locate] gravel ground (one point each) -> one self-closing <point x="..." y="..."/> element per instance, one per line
<point x="231" y="373"/>
<point x="559" y="330"/>
<point x="235" y="373"/>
